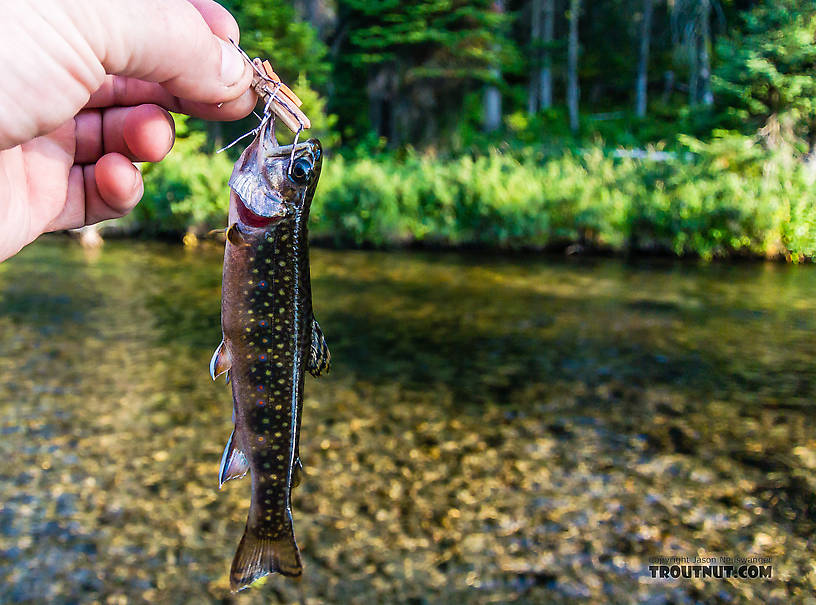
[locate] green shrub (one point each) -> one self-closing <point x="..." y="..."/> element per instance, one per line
<point x="186" y="189"/>
<point x="724" y="197"/>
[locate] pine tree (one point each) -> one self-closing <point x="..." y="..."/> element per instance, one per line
<point x="767" y="69"/>
<point x="411" y="61"/>
<point x="272" y="31"/>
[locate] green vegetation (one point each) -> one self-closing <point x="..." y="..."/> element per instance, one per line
<point x="708" y="206"/>
<point x="729" y="196"/>
<point x="767" y="71"/>
<point x="187" y="188"/>
<point x="447" y="123"/>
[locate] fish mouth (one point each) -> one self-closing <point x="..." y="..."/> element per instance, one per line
<point x="252" y="219"/>
<point x="271" y="181"/>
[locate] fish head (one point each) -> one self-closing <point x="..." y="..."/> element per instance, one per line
<point x="273" y="182"/>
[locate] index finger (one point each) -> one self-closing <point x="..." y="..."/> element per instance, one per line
<point x="120" y="91"/>
<point x="124" y="91"/>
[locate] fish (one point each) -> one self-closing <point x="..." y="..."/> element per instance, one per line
<point x="270" y="340"/>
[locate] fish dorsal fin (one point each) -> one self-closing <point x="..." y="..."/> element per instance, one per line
<point x="320" y="357"/>
<point x="234" y="463"/>
<point x="220" y="362"/>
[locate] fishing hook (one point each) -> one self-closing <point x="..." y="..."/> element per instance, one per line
<point x="292" y="155"/>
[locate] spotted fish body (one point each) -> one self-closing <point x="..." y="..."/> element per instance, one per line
<point x="270" y="340"/>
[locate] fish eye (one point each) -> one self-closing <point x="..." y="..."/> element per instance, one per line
<point x="301" y="171"/>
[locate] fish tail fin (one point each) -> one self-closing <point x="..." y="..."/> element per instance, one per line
<point x="258" y="556"/>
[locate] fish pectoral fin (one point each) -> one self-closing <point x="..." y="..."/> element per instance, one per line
<point x="320" y="357"/>
<point x="234" y="463"/>
<point x="221" y="362"/>
<point x="235" y="236"/>
<point x="297" y="472"/>
<point x="258" y="556"/>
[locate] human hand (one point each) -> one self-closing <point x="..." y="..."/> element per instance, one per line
<point x="84" y="89"/>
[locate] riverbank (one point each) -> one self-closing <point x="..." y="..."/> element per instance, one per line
<point x="724" y="199"/>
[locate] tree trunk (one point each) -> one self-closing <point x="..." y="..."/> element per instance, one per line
<point x="668" y="85"/>
<point x="492" y="96"/>
<point x="546" y="56"/>
<point x="382" y="90"/>
<point x="706" y="95"/>
<point x="315" y="12"/>
<point x="542" y="21"/>
<point x="534" y="88"/>
<point x="308" y="10"/>
<point x="694" y="64"/>
<point x="312" y="12"/>
<point x="493" y="104"/>
<point x="643" y="62"/>
<point x="573" y="91"/>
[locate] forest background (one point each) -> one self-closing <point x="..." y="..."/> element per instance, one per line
<point x="683" y="127"/>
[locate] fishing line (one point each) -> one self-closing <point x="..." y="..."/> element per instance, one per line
<point x="243" y="136"/>
<point x="267" y="113"/>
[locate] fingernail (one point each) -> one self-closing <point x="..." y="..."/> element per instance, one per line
<point x="232" y="64"/>
<point x="138" y="184"/>
<point x="171" y="122"/>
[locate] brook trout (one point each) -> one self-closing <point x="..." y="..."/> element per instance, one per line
<point x="270" y="339"/>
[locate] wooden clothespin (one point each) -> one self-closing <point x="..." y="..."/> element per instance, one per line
<point x="285" y="102"/>
<point x="278" y="96"/>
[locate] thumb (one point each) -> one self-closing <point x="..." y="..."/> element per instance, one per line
<point x="55" y="53"/>
<point x="165" y="41"/>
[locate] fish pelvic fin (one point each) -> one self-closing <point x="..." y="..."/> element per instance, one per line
<point x="221" y="362"/>
<point x="258" y="556"/>
<point x="234" y="463"/>
<point x="297" y="472"/>
<point x="320" y="357"/>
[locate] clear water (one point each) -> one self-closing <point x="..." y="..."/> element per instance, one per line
<point x="495" y="429"/>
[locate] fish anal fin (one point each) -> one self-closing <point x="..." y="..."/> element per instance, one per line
<point x="258" y="556"/>
<point x="220" y="362"/>
<point x="320" y="357"/>
<point x="234" y="463"/>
